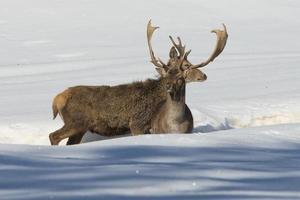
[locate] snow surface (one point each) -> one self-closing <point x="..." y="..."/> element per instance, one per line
<point x="246" y="140"/>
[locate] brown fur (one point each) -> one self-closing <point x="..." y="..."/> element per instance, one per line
<point x="59" y="102"/>
<point x="107" y="110"/>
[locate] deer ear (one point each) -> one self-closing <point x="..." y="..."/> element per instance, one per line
<point x="162" y="71"/>
<point x="173" y="53"/>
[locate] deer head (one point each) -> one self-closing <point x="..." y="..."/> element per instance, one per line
<point x="175" y="84"/>
<point x="178" y="56"/>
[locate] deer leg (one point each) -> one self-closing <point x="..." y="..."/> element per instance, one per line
<point x="136" y="131"/>
<point x="64" y="132"/>
<point x="137" y="128"/>
<point x="75" y="139"/>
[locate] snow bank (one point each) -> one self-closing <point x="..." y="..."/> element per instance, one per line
<point x="259" y="163"/>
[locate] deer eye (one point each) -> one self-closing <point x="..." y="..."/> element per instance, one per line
<point x="186" y="66"/>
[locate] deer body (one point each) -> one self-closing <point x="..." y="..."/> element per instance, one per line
<point x="171" y="119"/>
<point x="108" y="110"/>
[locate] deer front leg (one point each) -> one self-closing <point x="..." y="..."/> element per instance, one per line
<point x="136" y="131"/>
<point x="64" y="132"/>
<point x="138" y="128"/>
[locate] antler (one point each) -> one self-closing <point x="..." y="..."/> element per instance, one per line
<point x="180" y="48"/>
<point x="150" y="30"/>
<point x="221" y="43"/>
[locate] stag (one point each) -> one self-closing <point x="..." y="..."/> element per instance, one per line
<point x="117" y="110"/>
<point x="174" y="116"/>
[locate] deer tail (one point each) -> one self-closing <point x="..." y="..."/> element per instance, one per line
<point x="59" y="102"/>
<point x="55" y="110"/>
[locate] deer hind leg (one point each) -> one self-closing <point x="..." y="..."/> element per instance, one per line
<point x="64" y="132"/>
<point x="75" y="139"/>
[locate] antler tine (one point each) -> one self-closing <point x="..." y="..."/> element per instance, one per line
<point x="150" y="30"/>
<point x="179" y="42"/>
<point x="187" y="53"/>
<point x="222" y="36"/>
<point x="173" y="42"/>
<point x="179" y="47"/>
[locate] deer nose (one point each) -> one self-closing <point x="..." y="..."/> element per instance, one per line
<point x="203" y="78"/>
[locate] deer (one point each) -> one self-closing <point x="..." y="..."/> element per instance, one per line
<point x="117" y="110"/>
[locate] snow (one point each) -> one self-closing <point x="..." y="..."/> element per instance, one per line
<point x="259" y="163"/>
<point x="246" y="140"/>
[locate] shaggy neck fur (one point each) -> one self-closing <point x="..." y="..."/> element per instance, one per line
<point x="175" y="104"/>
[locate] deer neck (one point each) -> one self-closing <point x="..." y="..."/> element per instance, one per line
<point x="176" y="103"/>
